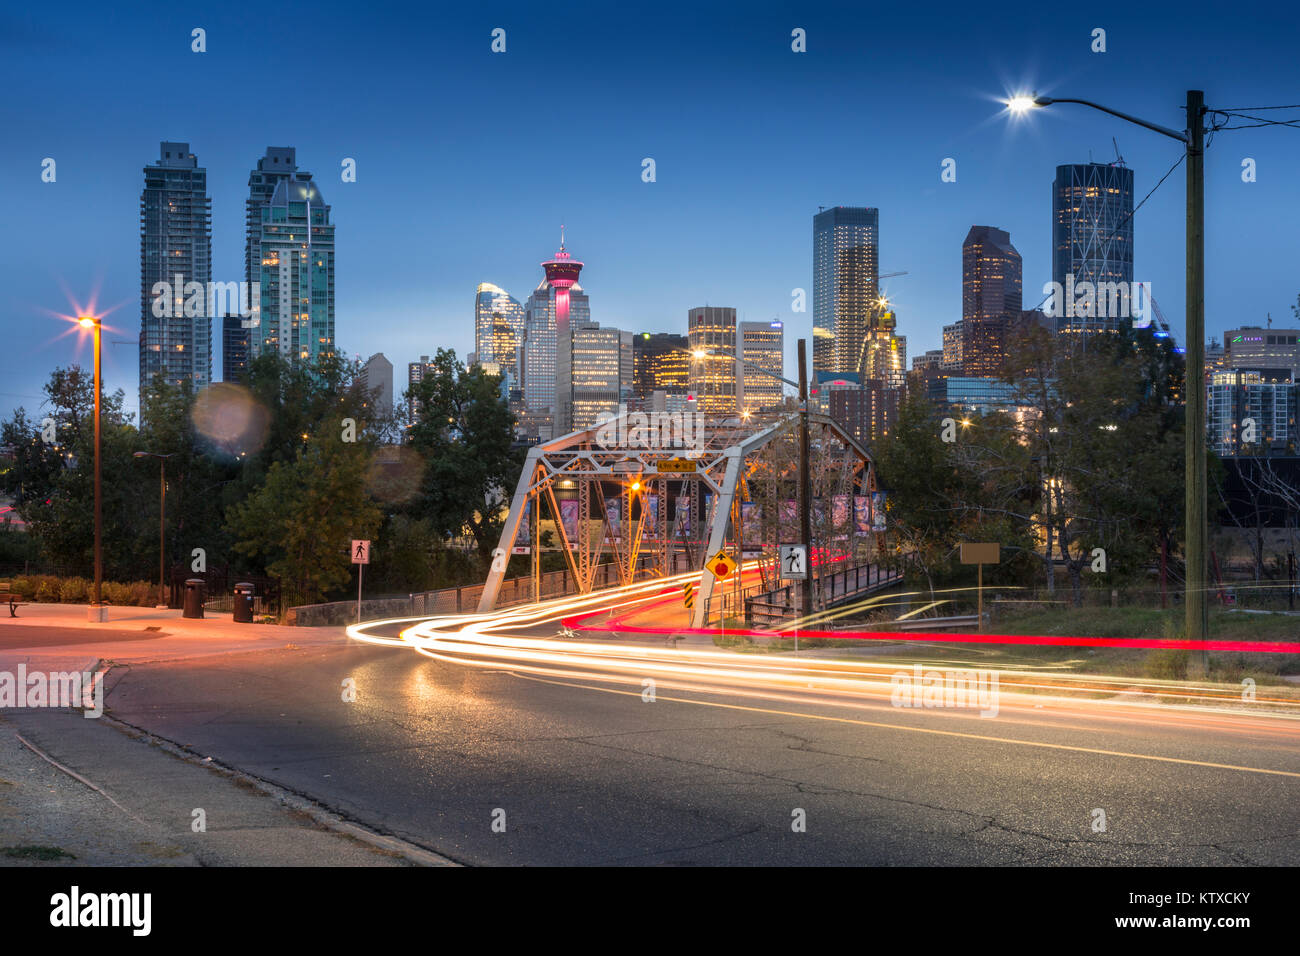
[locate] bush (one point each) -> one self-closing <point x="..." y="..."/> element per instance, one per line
<point x="47" y="588"/>
<point x="74" y="590"/>
<point x="115" y="593"/>
<point x="144" y="594"/>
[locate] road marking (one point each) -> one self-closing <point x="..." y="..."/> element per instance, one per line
<point x="928" y="730"/>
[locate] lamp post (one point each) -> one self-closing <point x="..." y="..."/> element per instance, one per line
<point x="1193" y="140"/>
<point x="98" y="613"/>
<point x="162" y="521"/>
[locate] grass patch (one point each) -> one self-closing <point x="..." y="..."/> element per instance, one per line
<point x="1141" y="622"/>
<point x="42" y="853"/>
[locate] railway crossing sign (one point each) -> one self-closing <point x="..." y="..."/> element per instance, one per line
<point x="722" y="566"/>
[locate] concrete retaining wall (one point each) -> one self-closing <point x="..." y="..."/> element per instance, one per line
<point x="345" y="612"/>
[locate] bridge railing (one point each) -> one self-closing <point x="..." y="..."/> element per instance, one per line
<point x="778" y="605"/>
<point x="514" y="591"/>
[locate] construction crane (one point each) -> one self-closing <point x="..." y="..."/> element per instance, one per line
<point x="1160" y="315"/>
<point x="879" y="308"/>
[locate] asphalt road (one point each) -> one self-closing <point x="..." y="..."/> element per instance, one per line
<point x="589" y="773"/>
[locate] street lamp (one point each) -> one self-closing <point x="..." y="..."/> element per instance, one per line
<point x="162" y="520"/>
<point x="98" y="614"/>
<point x="1193" y="140"/>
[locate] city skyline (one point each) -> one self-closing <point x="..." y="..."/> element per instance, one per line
<point x="643" y="241"/>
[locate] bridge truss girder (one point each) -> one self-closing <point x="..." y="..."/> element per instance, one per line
<point x="724" y="466"/>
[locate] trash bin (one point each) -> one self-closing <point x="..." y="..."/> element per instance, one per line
<point x="193" y="598"/>
<point x="244" y="603"/>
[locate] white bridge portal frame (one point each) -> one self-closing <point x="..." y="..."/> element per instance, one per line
<point x="724" y="461"/>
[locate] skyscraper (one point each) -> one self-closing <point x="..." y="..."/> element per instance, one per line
<point x="498" y="328"/>
<point x="952" y="347"/>
<point x="762" y="345"/>
<point x="540" y="346"/>
<point x="597" y="370"/>
<point x="1092" y="233"/>
<point x="562" y="276"/>
<point x="377" y="375"/>
<point x="175" y="251"/>
<point x="846" y="294"/>
<point x="415" y="373"/>
<point x="661" y="362"/>
<point x="290" y="251"/>
<point x="234" y="348"/>
<point x="886" y="358"/>
<point x="990" y="298"/>
<point x="713" y="378"/>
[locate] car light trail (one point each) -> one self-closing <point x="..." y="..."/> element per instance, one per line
<point x="507" y="641"/>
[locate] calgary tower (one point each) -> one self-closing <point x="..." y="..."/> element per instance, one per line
<point x="562" y="274"/>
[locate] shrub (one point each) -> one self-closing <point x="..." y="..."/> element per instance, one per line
<point x="52" y="589"/>
<point x="74" y="590"/>
<point x="115" y="593"/>
<point x="144" y="593"/>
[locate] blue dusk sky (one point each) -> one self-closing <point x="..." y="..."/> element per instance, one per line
<point x="468" y="160"/>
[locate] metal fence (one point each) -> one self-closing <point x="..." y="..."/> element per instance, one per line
<point x="513" y="591"/>
<point x="778" y="605"/>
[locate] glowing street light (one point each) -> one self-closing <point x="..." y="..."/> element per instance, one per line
<point x="1022" y="103"/>
<point x="1196" y="609"/>
<point x="98" y="613"/>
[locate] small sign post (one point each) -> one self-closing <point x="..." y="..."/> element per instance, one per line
<point x="980" y="554"/>
<point x="360" y="557"/>
<point x="722" y="567"/>
<point x="794" y="562"/>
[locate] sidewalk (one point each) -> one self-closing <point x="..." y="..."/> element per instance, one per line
<point x="45" y="635"/>
<point x="120" y="798"/>
<point x="137" y="805"/>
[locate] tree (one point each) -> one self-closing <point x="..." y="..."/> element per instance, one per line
<point x="465" y="431"/>
<point x="34" y="465"/>
<point x="197" y="474"/>
<point x="924" y="488"/>
<point x="1105" y="432"/>
<point x="55" y="480"/>
<point x="302" y="518"/>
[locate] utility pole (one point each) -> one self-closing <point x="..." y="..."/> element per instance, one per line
<point x="805" y="479"/>
<point x="98" y="612"/>
<point x="1197" y="607"/>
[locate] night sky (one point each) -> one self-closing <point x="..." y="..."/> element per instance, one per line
<point x="468" y="161"/>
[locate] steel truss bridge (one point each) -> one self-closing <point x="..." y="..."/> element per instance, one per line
<point x="659" y="511"/>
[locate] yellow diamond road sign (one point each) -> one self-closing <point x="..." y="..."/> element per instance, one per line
<point x="675" y="465"/>
<point x="722" y="566"/>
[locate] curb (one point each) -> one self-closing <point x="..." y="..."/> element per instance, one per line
<point x="329" y="819"/>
